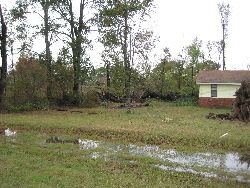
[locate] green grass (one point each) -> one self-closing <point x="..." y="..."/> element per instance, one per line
<point x="27" y="161"/>
<point x="161" y="123"/>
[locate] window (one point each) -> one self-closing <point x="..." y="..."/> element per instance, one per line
<point x="213" y="90"/>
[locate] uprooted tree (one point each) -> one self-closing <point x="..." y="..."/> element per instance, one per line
<point x="241" y="106"/>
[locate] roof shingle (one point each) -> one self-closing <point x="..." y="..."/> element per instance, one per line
<point x="226" y="76"/>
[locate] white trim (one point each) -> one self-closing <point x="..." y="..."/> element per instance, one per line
<point x="237" y="84"/>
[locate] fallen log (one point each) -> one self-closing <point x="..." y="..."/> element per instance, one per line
<point x="226" y="116"/>
<point x="131" y="106"/>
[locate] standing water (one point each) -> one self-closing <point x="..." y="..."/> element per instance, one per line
<point x="204" y="163"/>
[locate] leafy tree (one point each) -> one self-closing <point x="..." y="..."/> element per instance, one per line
<point x="162" y="72"/>
<point x="20" y="12"/>
<point x="62" y="78"/>
<point x="30" y="84"/>
<point x="224" y="10"/>
<point x="20" y="30"/>
<point x="77" y="39"/>
<point x="194" y="54"/>
<point x="115" y="19"/>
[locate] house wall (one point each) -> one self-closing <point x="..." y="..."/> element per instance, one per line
<point x="225" y="95"/>
<point x="223" y="90"/>
<point x="215" y="102"/>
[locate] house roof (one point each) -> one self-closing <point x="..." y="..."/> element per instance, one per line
<point x="226" y="76"/>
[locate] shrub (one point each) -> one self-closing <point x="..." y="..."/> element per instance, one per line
<point x="186" y="101"/>
<point x="90" y="99"/>
<point x="29" y="86"/>
<point x="26" y="107"/>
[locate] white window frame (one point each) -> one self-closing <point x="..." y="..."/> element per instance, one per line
<point x="214" y="89"/>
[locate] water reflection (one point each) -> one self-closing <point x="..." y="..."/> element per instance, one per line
<point x="184" y="162"/>
<point x="245" y="158"/>
<point x="8" y="132"/>
<point x="229" y="162"/>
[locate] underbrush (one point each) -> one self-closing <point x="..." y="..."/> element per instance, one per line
<point x="186" y="101"/>
<point x="27" y="107"/>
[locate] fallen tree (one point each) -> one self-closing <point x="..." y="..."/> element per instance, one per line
<point x="241" y="106"/>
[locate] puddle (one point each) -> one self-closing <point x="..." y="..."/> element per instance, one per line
<point x="87" y="144"/>
<point x="8" y="132"/>
<point x="182" y="169"/>
<point x="215" y="165"/>
<point x="229" y="162"/>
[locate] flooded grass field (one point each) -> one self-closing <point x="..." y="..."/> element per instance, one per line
<point x="156" y="146"/>
<point x="223" y="169"/>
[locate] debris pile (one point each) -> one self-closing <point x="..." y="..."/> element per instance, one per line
<point x="226" y="116"/>
<point x="55" y="139"/>
<point x="131" y="106"/>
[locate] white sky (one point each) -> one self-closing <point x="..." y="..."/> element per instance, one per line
<point x="178" y="22"/>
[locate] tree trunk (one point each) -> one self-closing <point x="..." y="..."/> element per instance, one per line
<point x="192" y="80"/>
<point x="127" y="63"/>
<point x="223" y="48"/>
<point x="45" y="5"/>
<point x="3" y="69"/>
<point x="108" y="78"/>
<point x="76" y="38"/>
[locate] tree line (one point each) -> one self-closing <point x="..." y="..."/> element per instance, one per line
<point x="40" y="79"/>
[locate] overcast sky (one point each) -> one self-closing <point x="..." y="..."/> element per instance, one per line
<point x="178" y="22"/>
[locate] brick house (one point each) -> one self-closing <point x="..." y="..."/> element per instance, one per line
<point x="217" y="88"/>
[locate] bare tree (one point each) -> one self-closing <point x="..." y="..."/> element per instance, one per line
<point x="224" y="10"/>
<point x="3" y="69"/>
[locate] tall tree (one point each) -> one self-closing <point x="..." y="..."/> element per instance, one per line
<point x="3" y="69"/>
<point x="46" y="32"/>
<point x="163" y="66"/>
<point x="119" y="16"/>
<point x="77" y="36"/>
<point x="194" y="53"/>
<point x="224" y="10"/>
<point x="20" y="11"/>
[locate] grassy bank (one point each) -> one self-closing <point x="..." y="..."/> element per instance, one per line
<point x="160" y="123"/>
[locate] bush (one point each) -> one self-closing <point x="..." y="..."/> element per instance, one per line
<point x="26" y="107"/>
<point x="186" y="101"/>
<point x="29" y="86"/>
<point x="90" y="99"/>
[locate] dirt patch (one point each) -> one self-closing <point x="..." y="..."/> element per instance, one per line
<point x="2" y="129"/>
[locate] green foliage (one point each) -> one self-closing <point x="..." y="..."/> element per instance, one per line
<point x="90" y="99"/>
<point x="186" y="101"/>
<point x="62" y="79"/>
<point x="25" y="107"/>
<point x="29" y="86"/>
